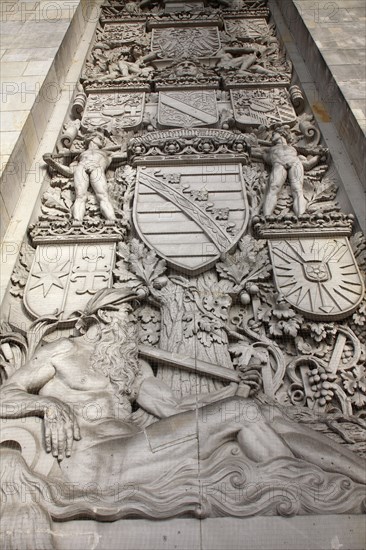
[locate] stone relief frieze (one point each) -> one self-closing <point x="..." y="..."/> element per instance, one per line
<point x="110" y="68"/>
<point x="190" y="268"/>
<point x="252" y="65"/>
<point x="146" y="274"/>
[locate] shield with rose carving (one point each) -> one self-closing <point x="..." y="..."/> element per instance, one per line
<point x="318" y="276"/>
<point x="191" y="214"/>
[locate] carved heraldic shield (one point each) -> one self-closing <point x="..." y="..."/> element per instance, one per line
<point x="63" y="277"/>
<point x="191" y="215"/>
<point x="181" y="42"/>
<point x="113" y="111"/>
<point x="318" y="276"/>
<point x="187" y="109"/>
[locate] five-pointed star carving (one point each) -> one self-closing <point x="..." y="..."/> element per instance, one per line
<point x="50" y="274"/>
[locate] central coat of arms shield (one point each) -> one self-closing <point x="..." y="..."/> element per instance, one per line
<point x="187" y="109"/>
<point x="191" y="215"/>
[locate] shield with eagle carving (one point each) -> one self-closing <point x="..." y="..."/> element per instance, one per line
<point x="191" y="215"/>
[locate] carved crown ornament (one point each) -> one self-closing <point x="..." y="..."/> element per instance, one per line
<point x="311" y="225"/>
<point x="188" y="145"/>
<point x="63" y="231"/>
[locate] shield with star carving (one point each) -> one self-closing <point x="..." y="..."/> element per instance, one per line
<point x="318" y="276"/>
<point x="63" y="277"/>
<point x="191" y="214"/>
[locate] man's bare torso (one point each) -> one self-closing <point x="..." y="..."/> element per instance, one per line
<point x="78" y="384"/>
<point x="286" y="155"/>
<point x="95" y="158"/>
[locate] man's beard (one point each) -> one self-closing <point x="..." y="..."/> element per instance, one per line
<point x="116" y="356"/>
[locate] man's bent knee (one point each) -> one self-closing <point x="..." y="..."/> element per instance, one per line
<point x="234" y="409"/>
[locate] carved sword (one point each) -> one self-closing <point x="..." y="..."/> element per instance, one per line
<point x="170" y="359"/>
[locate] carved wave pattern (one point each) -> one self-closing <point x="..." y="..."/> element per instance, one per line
<point x="226" y="485"/>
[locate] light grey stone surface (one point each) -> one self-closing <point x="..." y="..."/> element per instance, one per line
<point x="38" y="41"/>
<point x="164" y="376"/>
<point x="310" y="533"/>
<point x="331" y="37"/>
<point x="23" y="189"/>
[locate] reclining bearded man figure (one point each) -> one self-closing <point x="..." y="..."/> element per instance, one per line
<point x="84" y="388"/>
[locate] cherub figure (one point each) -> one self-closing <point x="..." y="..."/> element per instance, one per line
<point x="136" y="67"/>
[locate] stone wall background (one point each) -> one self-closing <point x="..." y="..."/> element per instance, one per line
<point x="38" y="41"/>
<point x="31" y="121"/>
<point x="204" y="534"/>
<point x="331" y="37"/>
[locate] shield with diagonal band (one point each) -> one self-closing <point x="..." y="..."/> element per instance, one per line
<point x="191" y="215"/>
<point x="187" y="109"/>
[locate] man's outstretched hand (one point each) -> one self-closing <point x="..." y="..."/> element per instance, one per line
<point x="60" y="429"/>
